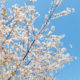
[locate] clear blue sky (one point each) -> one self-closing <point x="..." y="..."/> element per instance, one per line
<point x="68" y="25"/>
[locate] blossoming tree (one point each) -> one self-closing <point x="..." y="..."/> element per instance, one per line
<point x="27" y="53"/>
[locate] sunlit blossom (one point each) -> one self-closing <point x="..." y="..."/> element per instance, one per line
<point x="27" y="52"/>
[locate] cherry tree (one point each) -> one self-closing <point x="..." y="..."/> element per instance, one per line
<point x="27" y="52"/>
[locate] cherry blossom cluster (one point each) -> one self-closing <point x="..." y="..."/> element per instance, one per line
<point x="27" y="53"/>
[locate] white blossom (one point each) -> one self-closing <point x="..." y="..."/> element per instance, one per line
<point x="27" y="52"/>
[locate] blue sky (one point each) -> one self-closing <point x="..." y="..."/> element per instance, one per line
<point x="68" y="25"/>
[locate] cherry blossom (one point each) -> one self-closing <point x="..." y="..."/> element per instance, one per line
<point x="27" y="52"/>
